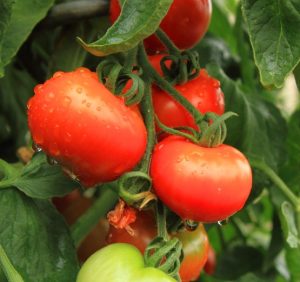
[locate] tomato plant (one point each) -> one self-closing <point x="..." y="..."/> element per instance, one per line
<point x="186" y="23"/>
<point x="69" y="103"/>
<point x="83" y="104"/>
<point x="119" y="262"/>
<point x="207" y="184"/>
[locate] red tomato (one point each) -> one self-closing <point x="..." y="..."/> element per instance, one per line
<point x="195" y="248"/>
<point x="195" y="243"/>
<point x="210" y="264"/>
<point x="199" y="183"/>
<point x="185" y="24"/>
<point x="203" y="92"/>
<point x="143" y="232"/>
<point x="81" y="124"/>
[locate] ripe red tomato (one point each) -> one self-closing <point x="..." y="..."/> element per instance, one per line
<point x="195" y="248"/>
<point x="210" y="265"/>
<point x="199" y="183"/>
<point x="81" y="124"/>
<point x="143" y="232"/>
<point x="194" y="243"/>
<point x="185" y="24"/>
<point x="203" y="92"/>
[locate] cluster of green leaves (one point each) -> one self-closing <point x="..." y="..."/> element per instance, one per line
<point x="251" y="47"/>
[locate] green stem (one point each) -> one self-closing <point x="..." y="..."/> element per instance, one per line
<point x="10" y="272"/>
<point x="277" y="181"/>
<point x="161" y="216"/>
<point x="163" y="37"/>
<point x="9" y="173"/>
<point x="165" y="85"/>
<point x="89" y="219"/>
<point x="148" y="114"/>
<point x="130" y="60"/>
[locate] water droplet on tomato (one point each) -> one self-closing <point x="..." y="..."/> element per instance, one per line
<point x="83" y="101"/>
<point x="36" y="148"/>
<point x="66" y="101"/>
<point x="29" y="104"/>
<point x="79" y="90"/>
<point x="190" y="225"/>
<point x="51" y="161"/>
<point x="54" y="151"/>
<point x="223" y="222"/>
<point x="98" y="108"/>
<point x="160" y="146"/>
<point x="58" y="74"/>
<point x="180" y="159"/>
<point x="51" y="110"/>
<point x="107" y="126"/>
<point x="68" y="137"/>
<point x="88" y="104"/>
<point x="50" y="96"/>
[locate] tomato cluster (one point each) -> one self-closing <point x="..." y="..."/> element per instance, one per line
<point x="97" y="138"/>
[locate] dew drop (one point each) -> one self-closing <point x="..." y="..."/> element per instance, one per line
<point x="223" y="222"/>
<point x="190" y="225"/>
<point x="160" y="146"/>
<point x="83" y="101"/>
<point x="36" y="148"/>
<point x="88" y="104"/>
<point x="50" y="96"/>
<point x="29" y="104"/>
<point x="79" y="90"/>
<point x="58" y="74"/>
<point x="67" y="101"/>
<point x="98" y="108"/>
<point x="51" y="110"/>
<point x="51" y="161"/>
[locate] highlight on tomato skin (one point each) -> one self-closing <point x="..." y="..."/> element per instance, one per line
<point x="75" y="120"/>
<point x="185" y="23"/>
<point x="207" y="184"/>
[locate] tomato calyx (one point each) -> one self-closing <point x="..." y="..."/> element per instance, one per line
<point x="165" y="255"/>
<point x="122" y="216"/>
<point x="122" y="78"/>
<point x="134" y="188"/>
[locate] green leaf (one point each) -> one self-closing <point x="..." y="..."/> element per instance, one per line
<point x="297" y="76"/>
<point x="25" y="14"/>
<point x="36" y="239"/>
<point x="41" y="180"/>
<point x="276" y="244"/>
<point x="274" y="33"/>
<point x="213" y="49"/>
<point x="68" y="54"/>
<point x="292" y="256"/>
<point x="133" y="25"/>
<point x="15" y="90"/>
<point x="238" y="261"/>
<point x="5" y="14"/>
<point x="221" y="27"/>
<point x="248" y="68"/>
<point x="288" y="221"/>
<point x="259" y="131"/>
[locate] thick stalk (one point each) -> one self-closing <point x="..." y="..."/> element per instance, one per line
<point x="278" y="182"/>
<point x="10" y="272"/>
<point x="89" y="219"/>
<point x="165" y="85"/>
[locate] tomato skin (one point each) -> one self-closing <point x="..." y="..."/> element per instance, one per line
<point x="119" y="262"/>
<point x="194" y="243"/>
<point x="185" y="23"/>
<point x="195" y="248"/>
<point x="80" y="123"/>
<point x="201" y="184"/>
<point x="210" y="265"/>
